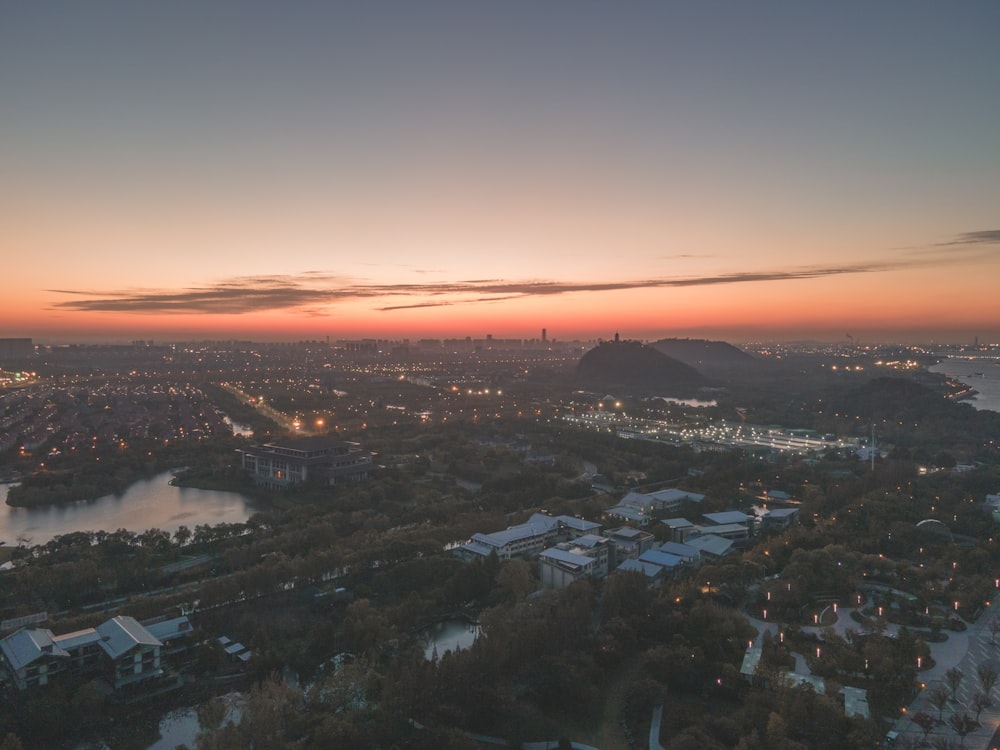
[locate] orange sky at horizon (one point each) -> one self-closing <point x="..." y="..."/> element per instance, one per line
<point x="774" y="310"/>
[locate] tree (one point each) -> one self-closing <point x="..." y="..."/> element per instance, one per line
<point x="514" y="582"/>
<point x="962" y="724"/>
<point x="953" y="678"/>
<point x="994" y="630"/>
<point x="925" y="721"/>
<point x="987" y="674"/>
<point x="938" y="697"/>
<point x="182" y="536"/>
<point x="979" y="701"/>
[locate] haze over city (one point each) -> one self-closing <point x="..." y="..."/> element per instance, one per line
<point x="255" y="170"/>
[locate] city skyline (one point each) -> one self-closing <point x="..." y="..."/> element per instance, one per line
<point x="242" y="170"/>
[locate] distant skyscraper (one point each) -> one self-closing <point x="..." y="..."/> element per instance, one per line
<point x="545" y="336"/>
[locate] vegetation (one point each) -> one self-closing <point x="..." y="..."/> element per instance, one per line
<point x="547" y="664"/>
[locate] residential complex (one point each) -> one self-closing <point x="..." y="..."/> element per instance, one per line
<point x="120" y="650"/>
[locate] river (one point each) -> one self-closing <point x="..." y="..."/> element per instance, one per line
<point x="981" y="373"/>
<point x="147" y="504"/>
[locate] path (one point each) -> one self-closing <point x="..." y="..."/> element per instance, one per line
<point x="610" y="734"/>
<point x="965" y="650"/>
<point x="969" y="649"/>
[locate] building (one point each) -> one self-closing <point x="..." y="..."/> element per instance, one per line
<point x="282" y="463"/>
<point x="558" y="568"/>
<point x="686" y="552"/>
<point x="121" y="650"/>
<point x="629" y="542"/>
<point x="673" y="499"/>
<point x="671" y="564"/>
<point x="132" y="652"/>
<point x="728" y="517"/>
<point x="680" y="528"/>
<point x="711" y="546"/>
<point x="779" y="518"/>
<point x="527" y="539"/>
<point x="654" y="574"/>
<point x="641" y="508"/>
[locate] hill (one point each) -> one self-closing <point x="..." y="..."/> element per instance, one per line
<point x="701" y="353"/>
<point x="636" y="367"/>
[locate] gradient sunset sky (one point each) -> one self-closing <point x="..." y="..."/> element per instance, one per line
<point x="287" y="170"/>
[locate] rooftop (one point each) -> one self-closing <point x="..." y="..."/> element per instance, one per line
<point x="25" y="646"/>
<point x="120" y="634"/>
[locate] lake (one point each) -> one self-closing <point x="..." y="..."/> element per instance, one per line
<point x="449" y="635"/>
<point x="147" y="504"/>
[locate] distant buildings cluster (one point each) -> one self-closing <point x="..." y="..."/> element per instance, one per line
<point x="69" y="418"/>
<point x="14" y="351"/>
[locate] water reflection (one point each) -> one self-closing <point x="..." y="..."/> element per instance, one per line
<point x="449" y="635"/>
<point x="149" y="503"/>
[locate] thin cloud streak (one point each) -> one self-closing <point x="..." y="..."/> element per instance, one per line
<point x="984" y="237"/>
<point x="314" y="289"/>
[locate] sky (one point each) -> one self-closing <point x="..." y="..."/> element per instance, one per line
<point x="740" y="171"/>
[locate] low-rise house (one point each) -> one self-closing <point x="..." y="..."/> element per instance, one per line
<point x="121" y="649"/>
<point x="32" y="657"/>
<point x="133" y="653"/>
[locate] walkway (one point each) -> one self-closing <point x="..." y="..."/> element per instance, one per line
<point x="965" y="650"/>
<point x="969" y="650"/>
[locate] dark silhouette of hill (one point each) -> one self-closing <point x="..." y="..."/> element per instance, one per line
<point x="636" y="367"/>
<point x="701" y="353"/>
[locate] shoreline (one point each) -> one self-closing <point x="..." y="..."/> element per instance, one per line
<point x="972" y="395"/>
